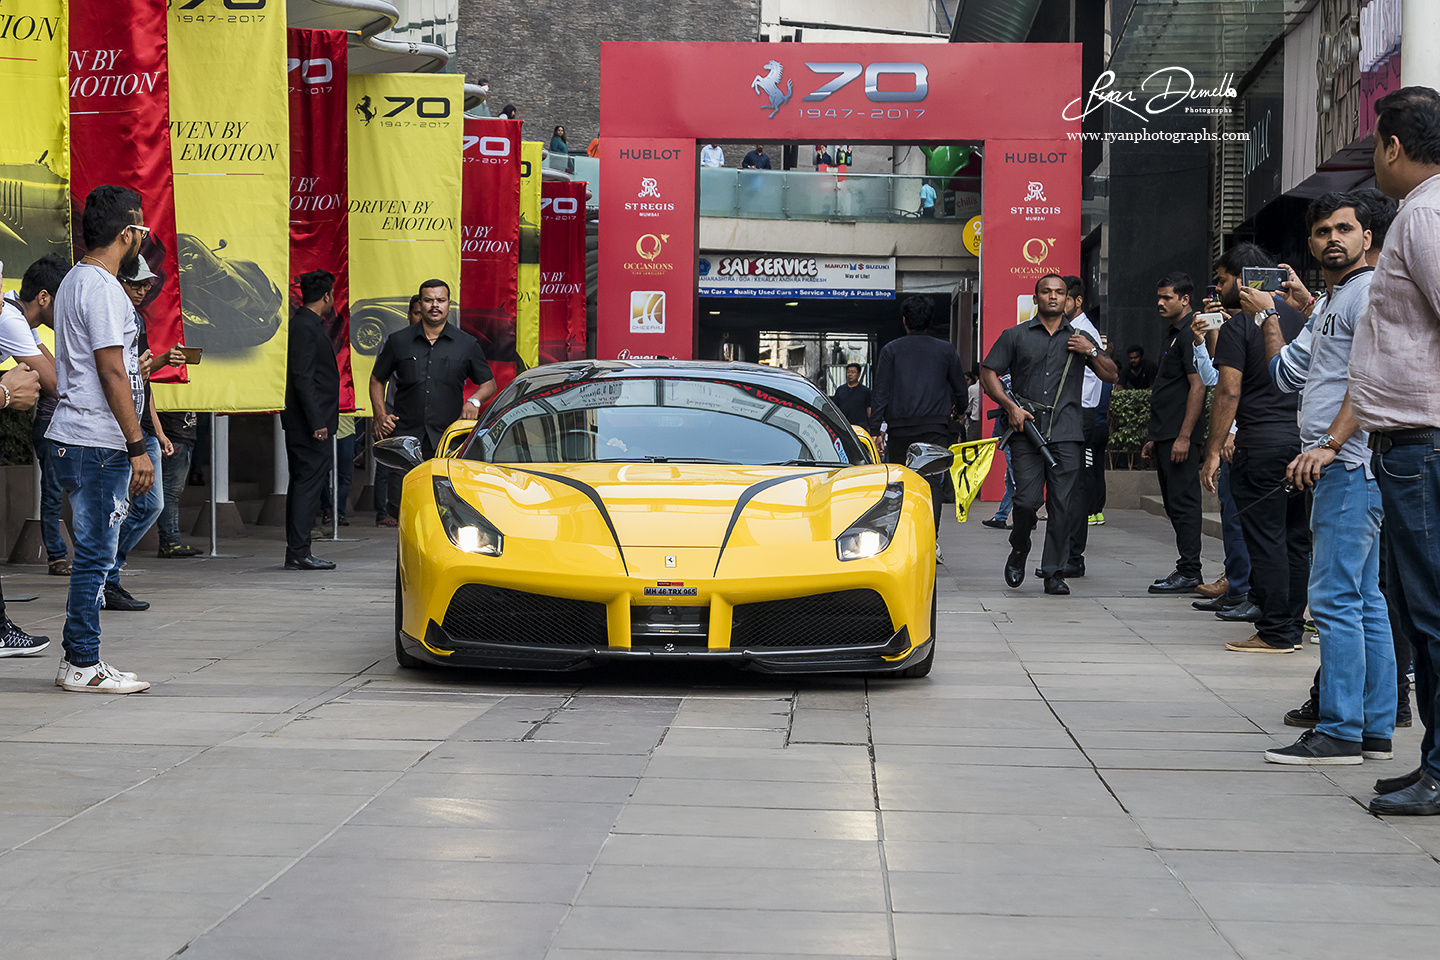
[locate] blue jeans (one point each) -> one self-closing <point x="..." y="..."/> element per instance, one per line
<point x="1357" y="651"/>
<point x="144" y="509"/>
<point x="175" y="471"/>
<point x="51" y="498"/>
<point x="98" y="481"/>
<point x="1237" y="558"/>
<point x="1409" y="478"/>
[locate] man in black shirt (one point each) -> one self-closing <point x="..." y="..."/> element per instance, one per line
<point x="1139" y="374"/>
<point x="853" y="397"/>
<point x="1177" y="398"/>
<point x="311" y="415"/>
<point x="1276" y="526"/>
<point x="1040" y="355"/>
<point x="430" y="360"/>
<point x="756" y="160"/>
<point x="917" y="379"/>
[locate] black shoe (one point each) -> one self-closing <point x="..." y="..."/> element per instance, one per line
<point x="997" y="524"/>
<point x="1420" y="799"/>
<point x="1057" y="587"/>
<point x="1373" y="748"/>
<point x="1177" y="582"/>
<point x="1305" y="715"/>
<point x="309" y="563"/>
<point x="1316" y="748"/>
<point x="1219" y="603"/>
<point x="118" y="598"/>
<point x="15" y="642"/>
<point x="1015" y="569"/>
<point x="1402" y="717"/>
<point x="1246" y="612"/>
<point x="1394" y="784"/>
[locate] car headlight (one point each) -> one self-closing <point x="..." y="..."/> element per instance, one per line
<point x="464" y="525"/>
<point x="872" y="533"/>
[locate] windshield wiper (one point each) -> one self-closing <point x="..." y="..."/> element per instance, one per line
<point x="805" y="463"/>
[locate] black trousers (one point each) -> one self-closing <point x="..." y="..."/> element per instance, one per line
<point x="1180" y="491"/>
<point x="309" y="461"/>
<point x="1277" y="534"/>
<point x="1059" y="485"/>
<point x="897" y="444"/>
<point x="1091" y="488"/>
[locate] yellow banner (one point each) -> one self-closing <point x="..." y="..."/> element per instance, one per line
<point x="972" y="463"/>
<point x="405" y="160"/>
<point x="230" y="143"/>
<point x="527" y="302"/>
<point x="35" y="142"/>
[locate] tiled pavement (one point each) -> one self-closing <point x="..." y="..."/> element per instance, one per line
<point x="1079" y="777"/>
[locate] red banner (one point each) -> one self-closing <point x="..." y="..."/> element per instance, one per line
<point x="319" y="192"/>
<point x="490" y="240"/>
<point x="648" y="266"/>
<point x="1031" y="228"/>
<point x="120" y="134"/>
<point x="562" y="271"/>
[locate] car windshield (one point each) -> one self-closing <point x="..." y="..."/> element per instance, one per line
<point x="654" y="419"/>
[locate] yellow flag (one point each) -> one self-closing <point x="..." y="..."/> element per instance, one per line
<point x="527" y="313"/>
<point x="405" y="160"/>
<point x="230" y="148"/>
<point x="35" y="145"/>
<point x="972" y="463"/>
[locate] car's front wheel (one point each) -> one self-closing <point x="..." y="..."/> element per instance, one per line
<point x="401" y="657"/>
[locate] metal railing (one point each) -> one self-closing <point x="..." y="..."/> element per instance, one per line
<point x="796" y="195"/>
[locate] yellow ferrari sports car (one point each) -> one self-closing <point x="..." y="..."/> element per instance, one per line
<point x="612" y="510"/>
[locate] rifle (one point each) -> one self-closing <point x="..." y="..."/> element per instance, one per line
<point x="1032" y="433"/>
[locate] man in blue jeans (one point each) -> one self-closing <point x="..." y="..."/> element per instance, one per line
<point x="100" y="454"/>
<point x="23" y="312"/>
<point x="1357" y="652"/>
<point x="1393" y="395"/>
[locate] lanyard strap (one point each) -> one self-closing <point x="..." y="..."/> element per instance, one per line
<point x="1069" y="359"/>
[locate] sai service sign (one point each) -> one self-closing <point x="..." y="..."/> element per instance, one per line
<point x="796" y="277"/>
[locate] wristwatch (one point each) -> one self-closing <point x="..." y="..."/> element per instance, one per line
<point x="1267" y="312"/>
<point x="474" y="401"/>
<point x="1094" y="352"/>
<point x="1328" y="441"/>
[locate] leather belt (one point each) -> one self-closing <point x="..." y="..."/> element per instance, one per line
<point x="1381" y="442"/>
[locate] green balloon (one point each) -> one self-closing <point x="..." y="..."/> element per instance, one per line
<point x="946" y="160"/>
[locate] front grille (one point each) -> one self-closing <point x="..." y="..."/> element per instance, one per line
<point x="487" y="614"/>
<point x="846" y="618"/>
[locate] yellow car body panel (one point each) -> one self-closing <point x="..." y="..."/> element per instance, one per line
<point x="651" y="541"/>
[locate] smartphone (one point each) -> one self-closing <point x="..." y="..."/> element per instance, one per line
<point x="192" y="354"/>
<point x="1264" y="278"/>
<point x="1212" y="292"/>
<point x="1213" y="321"/>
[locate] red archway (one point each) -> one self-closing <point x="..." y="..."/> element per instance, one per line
<point x="658" y="99"/>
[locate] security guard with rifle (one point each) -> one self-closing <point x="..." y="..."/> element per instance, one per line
<point x="1045" y="357"/>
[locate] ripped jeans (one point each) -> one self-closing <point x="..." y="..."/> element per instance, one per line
<point x="98" y="481"/>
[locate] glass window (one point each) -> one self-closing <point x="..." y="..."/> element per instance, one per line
<point x="664" y="419"/>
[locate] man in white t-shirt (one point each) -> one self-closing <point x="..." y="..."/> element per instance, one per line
<point x="100" y="453"/>
<point x="1091" y="488"/>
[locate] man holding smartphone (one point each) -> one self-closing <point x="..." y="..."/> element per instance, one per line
<point x="1357" y="654"/>
<point x="1276" y="526"/>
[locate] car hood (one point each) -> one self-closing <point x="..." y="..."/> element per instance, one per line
<point x="670" y="505"/>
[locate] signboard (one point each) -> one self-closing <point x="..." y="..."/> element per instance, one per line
<point x="795" y="277"/>
<point x="647" y="290"/>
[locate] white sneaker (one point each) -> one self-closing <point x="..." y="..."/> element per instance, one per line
<point x="65" y="668"/>
<point x="939" y="557"/>
<point x="100" y="678"/>
<point x="15" y="642"/>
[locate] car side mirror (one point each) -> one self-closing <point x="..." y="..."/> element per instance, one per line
<point x="399" y="453"/>
<point x="928" y="459"/>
